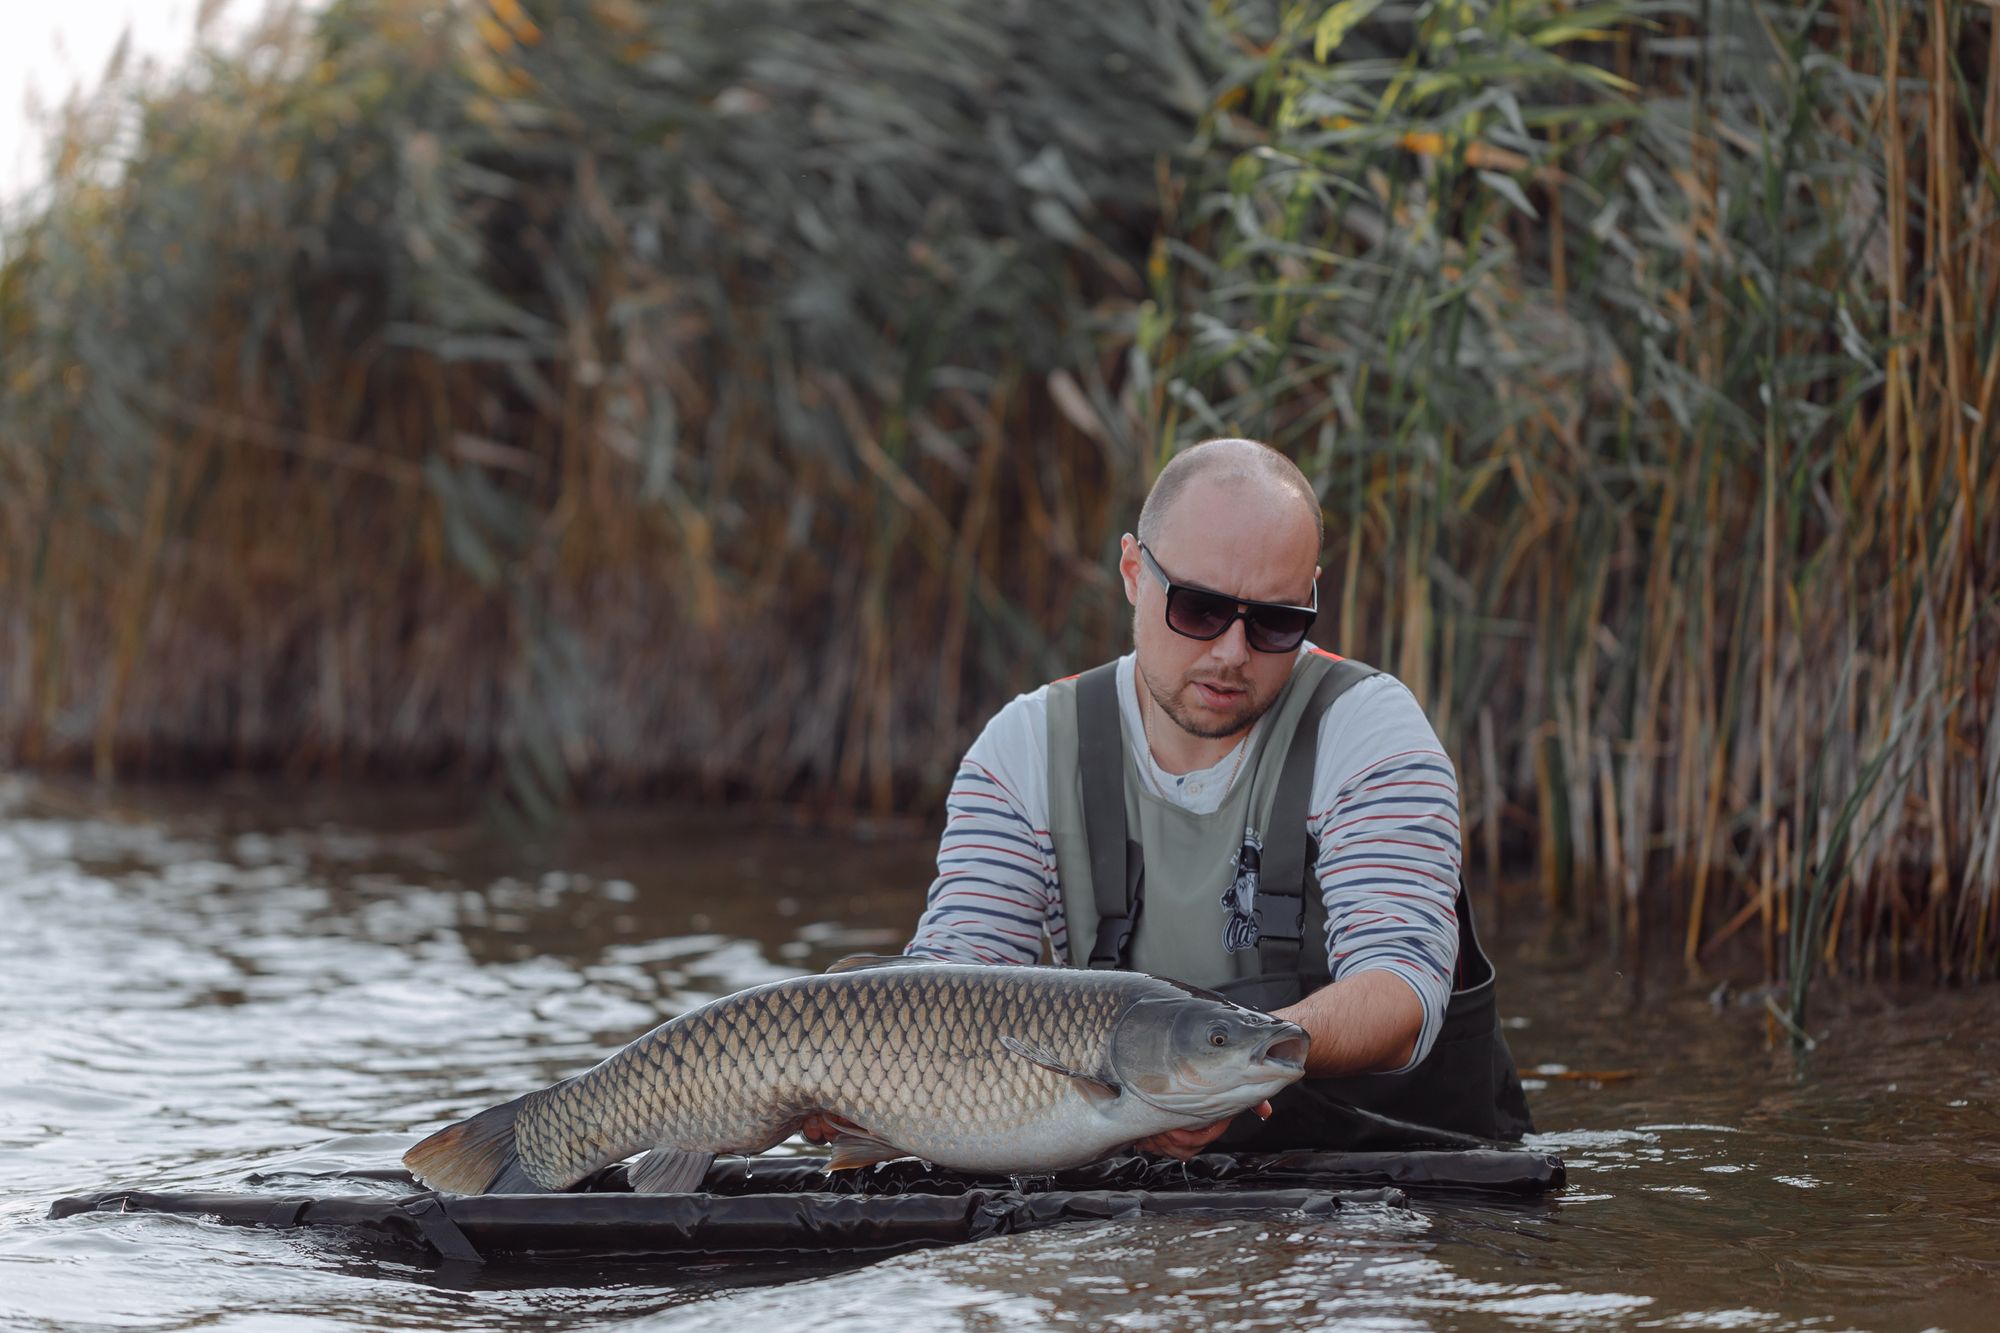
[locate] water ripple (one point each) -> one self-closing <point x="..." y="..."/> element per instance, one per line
<point x="187" y="1001"/>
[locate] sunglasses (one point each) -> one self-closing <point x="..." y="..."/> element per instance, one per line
<point x="1197" y="613"/>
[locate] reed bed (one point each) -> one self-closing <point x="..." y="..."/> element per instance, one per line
<point x="744" y="399"/>
<point x="1652" y="380"/>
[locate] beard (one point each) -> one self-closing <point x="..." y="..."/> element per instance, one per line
<point x="1207" y="724"/>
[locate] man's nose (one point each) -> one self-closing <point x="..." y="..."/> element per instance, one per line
<point x="1231" y="646"/>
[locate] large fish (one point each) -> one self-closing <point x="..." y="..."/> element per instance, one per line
<point x="976" y="1068"/>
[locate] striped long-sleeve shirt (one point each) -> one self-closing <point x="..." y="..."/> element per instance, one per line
<point x="1383" y="816"/>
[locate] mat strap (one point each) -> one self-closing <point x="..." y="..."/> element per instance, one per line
<point x="427" y="1211"/>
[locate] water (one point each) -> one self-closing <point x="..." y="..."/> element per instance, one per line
<point x="201" y="985"/>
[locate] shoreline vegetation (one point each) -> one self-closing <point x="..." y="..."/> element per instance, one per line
<point x="595" y="398"/>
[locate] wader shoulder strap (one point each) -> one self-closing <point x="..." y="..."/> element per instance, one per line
<point x="1100" y="750"/>
<point x="1291" y="911"/>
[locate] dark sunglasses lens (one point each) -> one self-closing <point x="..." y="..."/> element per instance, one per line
<point x="1198" y="615"/>
<point x="1276" y="630"/>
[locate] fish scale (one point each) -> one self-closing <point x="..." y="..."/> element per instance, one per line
<point x="916" y="1053"/>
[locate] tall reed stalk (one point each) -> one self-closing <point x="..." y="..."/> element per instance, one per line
<point x="743" y="399"/>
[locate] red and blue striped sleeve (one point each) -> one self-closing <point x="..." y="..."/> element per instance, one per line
<point x="1385" y="821"/>
<point x="995" y="898"/>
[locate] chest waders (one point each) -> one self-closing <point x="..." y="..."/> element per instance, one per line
<point x="1143" y="879"/>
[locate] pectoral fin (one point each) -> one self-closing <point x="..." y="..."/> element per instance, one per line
<point x="669" y="1170"/>
<point x="857" y="1148"/>
<point x="1095" y="1088"/>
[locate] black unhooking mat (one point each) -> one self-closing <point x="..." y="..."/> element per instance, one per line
<point x="764" y="1206"/>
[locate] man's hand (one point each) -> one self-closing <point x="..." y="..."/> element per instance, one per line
<point x="1186" y="1143"/>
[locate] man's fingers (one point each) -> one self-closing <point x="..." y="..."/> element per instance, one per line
<point x="821" y="1127"/>
<point x="1186" y="1143"/>
<point x="1183" y="1143"/>
<point x="1171" y="1144"/>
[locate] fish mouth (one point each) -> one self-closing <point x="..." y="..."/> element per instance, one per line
<point x="1286" y="1052"/>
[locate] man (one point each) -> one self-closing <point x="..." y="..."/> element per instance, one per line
<point x="1190" y="808"/>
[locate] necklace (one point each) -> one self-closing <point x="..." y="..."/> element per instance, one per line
<point x="1242" y="748"/>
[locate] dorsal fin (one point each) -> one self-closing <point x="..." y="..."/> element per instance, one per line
<point x="861" y="962"/>
<point x="1199" y="992"/>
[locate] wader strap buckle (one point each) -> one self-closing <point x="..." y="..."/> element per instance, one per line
<point x="1112" y="946"/>
<point x="1114" y="865"/>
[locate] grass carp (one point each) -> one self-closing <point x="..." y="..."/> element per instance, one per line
<point x="971" y="1067"/>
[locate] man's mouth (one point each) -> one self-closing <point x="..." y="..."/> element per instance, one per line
<point x="1216" y="696"/>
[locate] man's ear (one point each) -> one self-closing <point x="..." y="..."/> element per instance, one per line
<point x="1129" y="568"/>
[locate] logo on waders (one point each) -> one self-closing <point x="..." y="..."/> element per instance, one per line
<point x="1239" y="900"/>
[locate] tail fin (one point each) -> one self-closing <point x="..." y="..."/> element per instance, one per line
<point x="475" y="1156"/>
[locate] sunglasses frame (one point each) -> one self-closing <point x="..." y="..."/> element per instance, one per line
<point x="1244" y="607"/>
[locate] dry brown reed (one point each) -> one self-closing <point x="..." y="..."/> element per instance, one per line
<point x="600" y="396"/>
<point x="610" y="396"/>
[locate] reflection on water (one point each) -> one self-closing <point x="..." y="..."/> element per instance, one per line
<point x="199" y="986"/>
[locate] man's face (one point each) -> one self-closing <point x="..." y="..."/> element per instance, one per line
<point x="1241" y="538"/>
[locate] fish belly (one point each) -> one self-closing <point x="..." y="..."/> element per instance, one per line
<point x="1002" y="1115"/>
<point x="1061" y="1139"/>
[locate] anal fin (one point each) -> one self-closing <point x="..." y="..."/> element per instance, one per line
<point x="669" y="1170"/>
<point x="856" y="1147"/>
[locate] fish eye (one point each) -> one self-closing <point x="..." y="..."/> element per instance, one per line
<point x="1218" y="1037"/>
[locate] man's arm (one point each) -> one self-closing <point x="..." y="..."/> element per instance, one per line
<point x="1367" y="1023"/>
<point x="991" y="900"/>
<point x="1385" y="822"/>
<point x="995" y="896"/>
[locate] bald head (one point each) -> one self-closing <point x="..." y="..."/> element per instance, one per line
<point x="1232" y="519"/>
<point x="1227" y="462"/>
